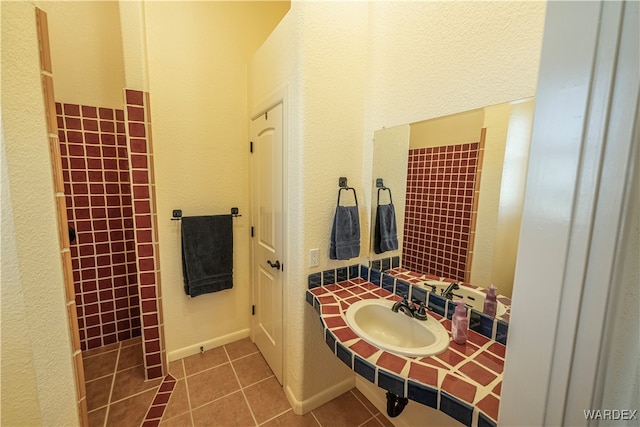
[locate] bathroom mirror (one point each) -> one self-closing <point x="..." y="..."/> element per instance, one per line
<point x="457" y="184"/>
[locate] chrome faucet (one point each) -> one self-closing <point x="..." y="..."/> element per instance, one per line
<point x="448" y="293"/>
<point x="410" y="309"/>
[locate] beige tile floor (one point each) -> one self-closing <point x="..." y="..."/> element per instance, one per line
<point x="231" y="385"/>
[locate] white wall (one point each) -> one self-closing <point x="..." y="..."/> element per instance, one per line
<point x="86" y="51"/>
<point x="197" y="55"/>
<point x="496" y="121"/>
<point x="390" y="163"/>
<point x="37" y="372"/>
<point x="353" y="68"/>
<point x="324" y="131"/>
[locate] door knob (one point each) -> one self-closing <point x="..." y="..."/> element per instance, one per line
<point x="275" y="265"/>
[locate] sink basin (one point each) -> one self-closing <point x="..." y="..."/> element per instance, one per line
<point x="472" y="297"/>
<point x="375" y="322"/>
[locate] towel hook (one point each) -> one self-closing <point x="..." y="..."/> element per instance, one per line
<point x="342" y="182"/>
<point x="381" y="186"/>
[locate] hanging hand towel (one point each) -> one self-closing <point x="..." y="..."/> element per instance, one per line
<point x="207" y="254"/>
<point x="385" y="233"/>
<point x="345" y="234"/>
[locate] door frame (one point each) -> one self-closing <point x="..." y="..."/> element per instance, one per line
<point x="572" y="223"/>
<point x="279" y="96"/>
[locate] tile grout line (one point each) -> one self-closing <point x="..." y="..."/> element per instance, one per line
<point x="255" y="421"/>
<point x="164" y="406"/>
<point x="186" y="385"/>
<point x="113" y="382"/>
<point x="362" y="403"/>
<point x="368" y="420"/>
<point x="241" y="357"/>
<point x="276" y="416"/>
<point x="315" y="418"/>
<point x="133" y="395"/>
<point x="258" y="382"/>
<point x="373" y="416"/>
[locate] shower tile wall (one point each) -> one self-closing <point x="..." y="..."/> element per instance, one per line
<point x="440" y="209"/>
<point x="97" y="186"/>
<point x="138" y="120"/>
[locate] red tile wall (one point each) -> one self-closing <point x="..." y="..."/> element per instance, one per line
<point x="97" y="185"/>
<point x="439" y="214"/>
<point x="138" y="119"/>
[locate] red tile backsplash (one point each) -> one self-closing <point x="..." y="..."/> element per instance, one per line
<point x="439" y="207"/>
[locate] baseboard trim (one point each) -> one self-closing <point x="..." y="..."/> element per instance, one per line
<point x="207" y="345"/>
<point x="319" y="399"/>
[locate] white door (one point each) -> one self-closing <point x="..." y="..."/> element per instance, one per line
<point x="266" y="243"/>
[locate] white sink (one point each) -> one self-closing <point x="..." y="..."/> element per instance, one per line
<point x="375" y="322"/>
<point x="472" y="297"/>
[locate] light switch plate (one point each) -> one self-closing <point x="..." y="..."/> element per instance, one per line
<point x="314" y="255"/>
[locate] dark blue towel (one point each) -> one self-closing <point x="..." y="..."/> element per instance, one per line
<point x="207" y="254"/>
<point x="345" y="234"/>
<point x="385" y="237"/>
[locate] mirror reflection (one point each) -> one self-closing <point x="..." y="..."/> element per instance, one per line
<point x="457" y="184"/>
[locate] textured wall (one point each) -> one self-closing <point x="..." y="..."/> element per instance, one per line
<point x="37" y="373"/>
<point x="334" y="56"/>
<point x="198" y="86"/>
<point x="86" y="51"/>
<point x="430" y="59"/>
<point x="355" y="68"/>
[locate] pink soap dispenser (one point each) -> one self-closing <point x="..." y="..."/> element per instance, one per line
<point x="459" y="323"/>
<point x="490" y="303"/>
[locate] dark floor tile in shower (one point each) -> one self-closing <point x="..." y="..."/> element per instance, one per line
<point x="130" y="356"/>
<point x="96" y="418"/>
<point x="132" y="341"/>
<point x="229" y="411"/>
<point x="100" y="365"/>
<point x="100" y="350"/>
<point x="98" y="392"/>
<point x="131" y="381"/>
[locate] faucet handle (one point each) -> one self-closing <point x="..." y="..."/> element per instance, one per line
<point x="421" y="312"/>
